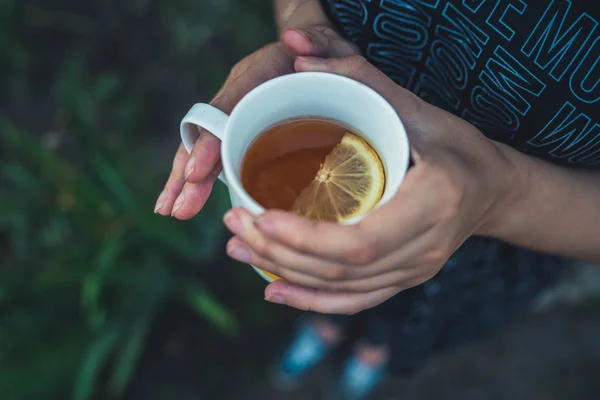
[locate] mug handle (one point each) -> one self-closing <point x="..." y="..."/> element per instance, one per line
<point x="207" y="117"/>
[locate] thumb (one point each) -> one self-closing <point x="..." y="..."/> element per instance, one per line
<point x="317" y="42"/>
<point x="407" y="105"/>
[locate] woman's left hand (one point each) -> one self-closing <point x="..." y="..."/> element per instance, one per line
<point x="459" y="185"/>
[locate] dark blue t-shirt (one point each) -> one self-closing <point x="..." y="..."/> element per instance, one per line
<point x="525" y="72"/>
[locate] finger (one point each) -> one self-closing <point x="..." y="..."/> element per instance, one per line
<point x="197" y="166"/>
<point x="348" y="245"/>
<point x="402" y="268"/>
<point x="240" y="251"/>
<point x="400" y="278"/>
<point x="404" y="278"/>
<point x="254" y="248"/>
<point x="194" y="196"/>
<point x="320" y="274"/>
<point x="317" y="42"/>
<point x="408" y="106"/>
<point x="327" y="302"/>
<point x="206" y="152"/>
<point x="174" y="184"/>
<point x="240" y="222"/>
<point x="204" y="157"/>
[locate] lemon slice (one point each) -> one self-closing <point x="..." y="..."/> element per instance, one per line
<point x="349" y="183"/>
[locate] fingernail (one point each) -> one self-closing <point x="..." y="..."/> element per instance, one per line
<point x="233" y="222"/>
<point x="178" y="204"/>
<point x="276" y="298"/>
<point x="162" y="198"/>
<point x="189" y="167"/>
<point x="266" y="226"/>
<point x="239" y="253"/>
<point x="312" y="60"/>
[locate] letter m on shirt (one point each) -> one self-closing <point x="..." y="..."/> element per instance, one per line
<point x="571" y="135"/>
<point x="558" y="38"/>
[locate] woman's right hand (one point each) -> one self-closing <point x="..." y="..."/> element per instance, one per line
<point x="193" y="175"/>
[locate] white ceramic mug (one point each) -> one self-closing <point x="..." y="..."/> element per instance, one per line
<point x="305" y="94"/>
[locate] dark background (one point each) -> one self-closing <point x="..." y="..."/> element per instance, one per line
<point x="101" y="299"/>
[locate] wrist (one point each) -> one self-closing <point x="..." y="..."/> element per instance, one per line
<point x="509" y="185"/>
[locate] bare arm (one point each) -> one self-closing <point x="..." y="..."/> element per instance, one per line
<point x="298" y="14"/>
<point x="556" y="209"/>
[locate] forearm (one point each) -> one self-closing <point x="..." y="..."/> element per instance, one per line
<point x="554" y="209"/>
<point x="298" y="14"/>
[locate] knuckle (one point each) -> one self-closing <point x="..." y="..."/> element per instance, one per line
<point x="173" y="189"/>
<point x="451" y="199"/>
<point x="265" y="251"/>
<point x="363" y="63"/>
<point x="261" y="248"/>
<point x="304" y="242"/>
<point x="333" y="273"/>
<point x="360" y="256"/>
<point x="239" y="67"/>
<point x="363" y="254"/>
<point x="357" y="62"/>
<point x="222" y="101"/>
<point x="300" y="242"/>
<point x="316" y="34"/>
<point x="437" y="255"/>
<point x="327" y="31"/>
<point x="273" y="66"/>
<point x="234" y="71"/>
<point x="179" y="161"/>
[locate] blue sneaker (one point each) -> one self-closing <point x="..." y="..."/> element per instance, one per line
<point x="358" y="380"/>
<point x="304" y="353"/>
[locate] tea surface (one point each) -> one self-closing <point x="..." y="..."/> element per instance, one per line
<point x="285" y="158"/>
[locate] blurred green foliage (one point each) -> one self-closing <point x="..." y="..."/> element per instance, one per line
<point x="88" y="264"/>
<point x="85" y="266"/>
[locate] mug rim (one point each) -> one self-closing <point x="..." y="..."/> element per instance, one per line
<point x="235" y="184"/>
